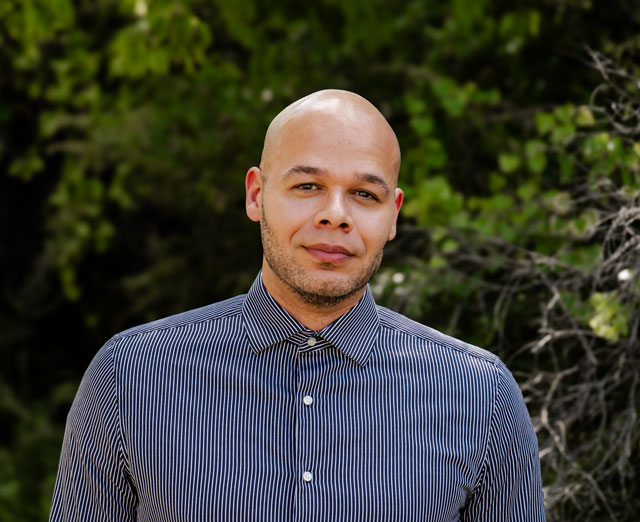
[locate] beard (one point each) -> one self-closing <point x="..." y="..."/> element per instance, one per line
<point x="313" y="291"/>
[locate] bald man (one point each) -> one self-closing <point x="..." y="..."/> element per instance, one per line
<point x="303" y="399"/>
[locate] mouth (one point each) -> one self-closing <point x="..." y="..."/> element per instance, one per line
<point x="329" y="253"/>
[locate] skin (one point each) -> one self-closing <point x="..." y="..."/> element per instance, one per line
<point x="327" y="201"/>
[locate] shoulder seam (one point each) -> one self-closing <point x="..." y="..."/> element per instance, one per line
<point x="111" y="346"/>
<point x="492" y="425"/>
<point x="441" y="340"/>
<point x="148" y="327"/>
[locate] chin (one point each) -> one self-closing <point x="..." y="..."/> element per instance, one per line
<point x="325" y="294"/>
<point x="330" y="282"/>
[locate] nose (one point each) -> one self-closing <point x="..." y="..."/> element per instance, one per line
<point x="334" y="213"/>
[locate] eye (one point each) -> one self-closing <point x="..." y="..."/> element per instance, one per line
<point x="366" y="195"/>
<point x="307" y="186"/>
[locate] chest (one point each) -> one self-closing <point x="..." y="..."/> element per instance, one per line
<point x="304" y="437"/>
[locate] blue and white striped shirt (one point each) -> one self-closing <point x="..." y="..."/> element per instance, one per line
<point x="237" y="412"/>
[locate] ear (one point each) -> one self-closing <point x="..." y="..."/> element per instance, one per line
<point x="397" y="202"/>
<point x="253" y="187"/>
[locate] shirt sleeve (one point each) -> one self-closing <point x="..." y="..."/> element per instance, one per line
<point x="92" y="481"/>
<point x="510" y="486"/>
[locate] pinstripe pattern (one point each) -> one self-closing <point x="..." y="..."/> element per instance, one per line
<point x="202" y="417"/>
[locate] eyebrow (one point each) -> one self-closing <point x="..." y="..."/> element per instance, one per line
<point x="362" y="176"/>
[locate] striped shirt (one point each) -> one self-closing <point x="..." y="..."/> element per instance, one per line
<point x="237" y="412"/>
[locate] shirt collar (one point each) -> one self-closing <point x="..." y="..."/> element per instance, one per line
<point x="355" y="333"/>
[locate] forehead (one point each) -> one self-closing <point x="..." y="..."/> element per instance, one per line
<point x="351" y="141"/>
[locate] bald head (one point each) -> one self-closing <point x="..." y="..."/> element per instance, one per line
<point x="342" y="108"/>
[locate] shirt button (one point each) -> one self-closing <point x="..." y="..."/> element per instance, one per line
<point x="308" y="400"/>
<point x="311" y="341"/>
<point x="307" y="476"/>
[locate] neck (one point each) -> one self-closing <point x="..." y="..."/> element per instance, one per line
<point x="313" y="317"/>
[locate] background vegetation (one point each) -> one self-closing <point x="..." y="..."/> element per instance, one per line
<point x="126" y="128"/>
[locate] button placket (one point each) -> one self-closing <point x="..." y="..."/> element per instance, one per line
<point x="305" y="416"/>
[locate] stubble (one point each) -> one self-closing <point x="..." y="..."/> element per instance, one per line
<point x="321" y="294"/>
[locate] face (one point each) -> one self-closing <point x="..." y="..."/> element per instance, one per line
<point x="327" y="204"/>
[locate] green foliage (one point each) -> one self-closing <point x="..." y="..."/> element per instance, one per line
<point x="126" y="128"/>
<point x="546" y="259"/>
<point x="166" y="34"/>
<point x="610" y="318"/>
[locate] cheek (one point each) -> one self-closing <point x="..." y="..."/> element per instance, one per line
<point x="375" y="230"/>
<point x="277" y="211"/>
<point x="374" y="236"/>
<point x="286" y="219"/>
<point x="295" y="213"/>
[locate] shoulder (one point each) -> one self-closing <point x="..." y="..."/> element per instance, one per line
<point x="459" y="361"/>
<point x="418" y="334"/>
<point x="174" y="330"/>
<point x="212" y="313"/>
<point x="465" y="365"/>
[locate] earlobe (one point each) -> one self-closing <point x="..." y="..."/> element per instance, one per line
<point x="399" y="198"/>
<point x="392" y="234"/>
<point x="253" y="187"/>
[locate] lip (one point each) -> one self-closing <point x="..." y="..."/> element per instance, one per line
<point x="329" y="253"/>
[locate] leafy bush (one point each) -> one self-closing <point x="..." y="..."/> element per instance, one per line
<point x="126" y="127"/>
<point x="545" y="269"/>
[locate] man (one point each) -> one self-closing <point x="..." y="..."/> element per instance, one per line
<point x="302" y="400"/>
